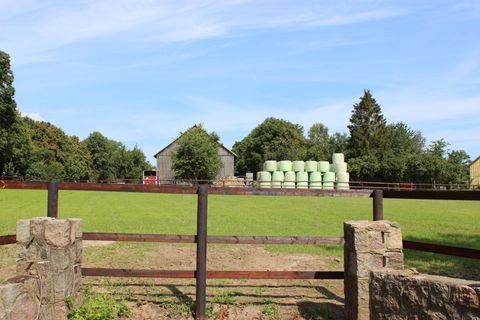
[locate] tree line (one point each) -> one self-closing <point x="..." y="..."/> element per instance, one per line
<point x="38" y="150"/>
<point x="375" y="150"/>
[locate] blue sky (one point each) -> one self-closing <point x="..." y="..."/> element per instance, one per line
<point x="142" y="71"/>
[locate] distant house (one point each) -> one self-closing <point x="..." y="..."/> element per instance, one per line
<point x="475" y="173"/>
<point x="166" y="174"/>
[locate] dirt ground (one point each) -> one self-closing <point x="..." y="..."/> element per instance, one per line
<point x="226" y="299"/>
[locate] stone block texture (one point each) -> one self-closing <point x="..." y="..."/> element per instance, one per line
<point x="49" y="255"/>
<point x="368" y="246"/>
<point x="406" y="295"/>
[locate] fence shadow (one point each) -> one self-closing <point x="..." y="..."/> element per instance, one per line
<point x="318" y="311"/>
<point x="439" y="264"/>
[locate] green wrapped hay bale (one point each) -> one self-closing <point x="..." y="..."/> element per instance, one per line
<point x="264" y="179"/>
<point x="315" y="177"/>
<point x="315" y="180"/>
<point x="329" y="176"/>
<point x="298" y="166"/>
<point x="339" y="167"/>
<point x="323" y="166"/>
<point x="289" y="185"/>
<point x="270" y="165"/>
<point x="302" y="185"/>
<point x="289" y="176"/>
<point x="343" y="181"/>
<point x="328" y="180"/>
<point x="302" y="176"/>
<point x="310" y="166"/>
<point x="338" y="158"/>
<point x="277" y="179"/>
<point x="302" y="180"/>
<point x="285" y="165"/>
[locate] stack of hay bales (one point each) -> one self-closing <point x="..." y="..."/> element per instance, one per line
<point x="305" y="174"/>
<point x="339" y="166"/>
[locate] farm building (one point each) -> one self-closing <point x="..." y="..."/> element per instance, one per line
<point x="475" y="173"/>
<point x="166" y="175"/>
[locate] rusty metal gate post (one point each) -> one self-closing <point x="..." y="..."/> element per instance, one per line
<point x="377" y="205"/>
<point x="52" y="202"/>
<point x="201" y="273"/>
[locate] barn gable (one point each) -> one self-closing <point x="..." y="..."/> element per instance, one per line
<point x="166" y="175"/>
<point x="475" y="173"/>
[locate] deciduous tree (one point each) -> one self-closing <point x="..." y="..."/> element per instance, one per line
<point x="196" y="155"/>
<point x="14" y="141"/>
<point x="273" y="139"/>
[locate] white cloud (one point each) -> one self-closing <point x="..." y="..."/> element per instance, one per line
<point x="31" y="30"/>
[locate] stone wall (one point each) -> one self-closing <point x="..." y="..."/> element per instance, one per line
<point x="368" y="245"/>
<point x="49" y="254"/>
<point x="404" y="295"/>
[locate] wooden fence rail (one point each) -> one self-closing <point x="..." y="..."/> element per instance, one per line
<point x="189" y="274"/>
<point x="201" y="238"/>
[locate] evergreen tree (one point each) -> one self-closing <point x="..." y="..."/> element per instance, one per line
<point x="367" y="127"/>
<point x="14" y="140"/>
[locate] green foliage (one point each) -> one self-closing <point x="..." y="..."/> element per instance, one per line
<point x="14" y="140"/>
<point x="112" y="160"/>
<point x="270" y="309"/>
<point x="196" y="155"/>
<point x="98" y="307"/>
<point x="273" y="139"/>
<point x="367" y="127"/>
<point x="228" y="298"/>
<point x="320" y="146"/>
<point x="55" y="155"/>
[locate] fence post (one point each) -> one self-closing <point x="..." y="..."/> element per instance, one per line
<point x="201" y="273"/>
<point x="377" y="205"/>
<point x="52" y="204"/>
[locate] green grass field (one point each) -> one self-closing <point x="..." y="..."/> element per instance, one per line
<point x="455" y="223"/>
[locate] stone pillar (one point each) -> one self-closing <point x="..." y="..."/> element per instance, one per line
<point x="368" y="245"/>
<point x="51" y="251"/>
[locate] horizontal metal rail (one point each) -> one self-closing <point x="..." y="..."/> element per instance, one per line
<point x="8" y="239"/>
<point x="189" y="274"/>
<point x="433" y="194"/>
<point x="14" y="184"/>
<point x="442" y="249"/>
<point x="173" y="238"/>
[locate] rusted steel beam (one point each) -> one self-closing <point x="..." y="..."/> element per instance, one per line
<point x="174" y="238"/>
<point x="8" y="239"/>
<point x="15" y="184"/>
<point x="126" y="187"/>
<point x="137" y="273"/>
<point x="275" y="274"/>
<point x="289" y="192"/>
<point x="143" y="273"/>
<point x="377" y="205"/>
<point x="52" y="202"/>
<point x="433" y="194"/>
<point x="178" y="189"/>
<point x="201" y="272"/>
<point x="437" y="248"/>
<point x="274" y="240"/>
<point x="135" y="237"/>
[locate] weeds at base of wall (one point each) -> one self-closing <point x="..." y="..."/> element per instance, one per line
<point x="98" y="306"/>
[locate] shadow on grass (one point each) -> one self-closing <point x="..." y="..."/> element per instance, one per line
<point x="445" y="265"/>
<point x="320" y="311"/>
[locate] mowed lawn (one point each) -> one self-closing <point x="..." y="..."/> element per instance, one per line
<point x="455" y="223"/>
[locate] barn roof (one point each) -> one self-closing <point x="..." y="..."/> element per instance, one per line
<point x="167" y="146"/>
<point x="478" y="158"/>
